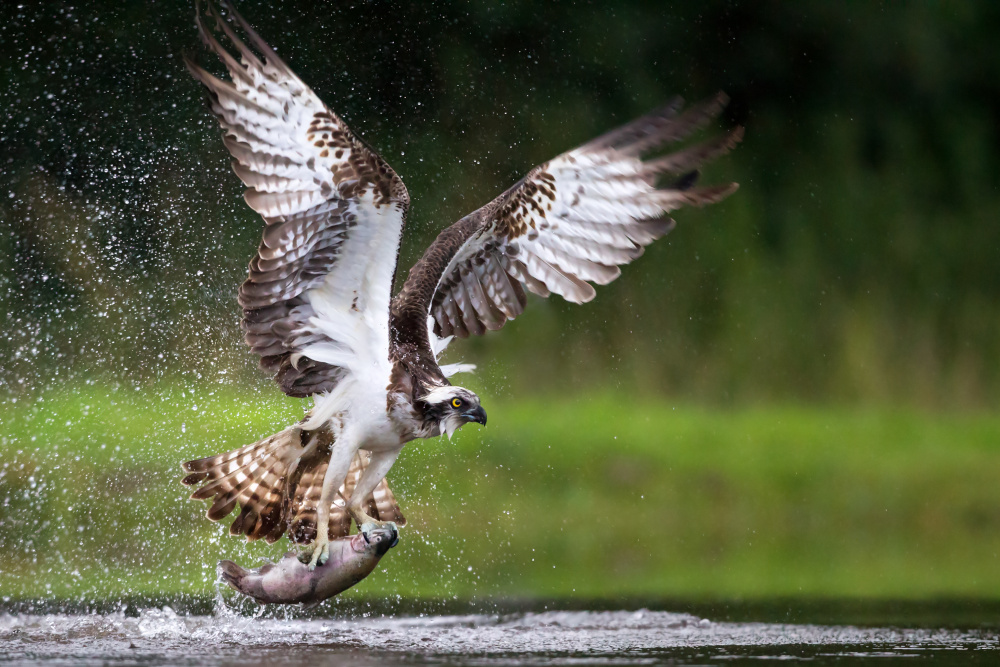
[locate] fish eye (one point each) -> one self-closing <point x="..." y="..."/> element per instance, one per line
<point x="456" y="402"/>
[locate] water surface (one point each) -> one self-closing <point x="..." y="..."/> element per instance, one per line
<point x="162" y="636"/>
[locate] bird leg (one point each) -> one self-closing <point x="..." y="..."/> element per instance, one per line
<point x="378" y="465"/>
<point x="343" y="453"/>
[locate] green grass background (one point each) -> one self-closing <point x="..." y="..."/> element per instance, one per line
<point x="590" y="497"/>
<point x="718" y="423"/>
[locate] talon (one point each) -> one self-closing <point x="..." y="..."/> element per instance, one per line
<point x="320" y="554"/>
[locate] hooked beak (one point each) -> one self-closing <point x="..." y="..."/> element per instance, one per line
<point x="478" y="415"/>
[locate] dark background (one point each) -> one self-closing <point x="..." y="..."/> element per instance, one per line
<point x="792" y="396"/>
<point x="860" y="260"/>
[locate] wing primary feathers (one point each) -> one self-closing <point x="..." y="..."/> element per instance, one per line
<point x="272" y="57"/>
<point x="630" y="132"/>
<point x="572" y="221"/>
<point x="249" y="57"/>
<point x="236" y="70"/>
<point x="697" y="155"/>
<point x="334" y="213"/>
<point x="658" y="130"/>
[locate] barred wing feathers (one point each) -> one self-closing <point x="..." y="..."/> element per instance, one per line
<point x="317" y="296"/>
<point x="276" y="490"/>
<point x="570" y="222"/>
<point x="380" y="503"/>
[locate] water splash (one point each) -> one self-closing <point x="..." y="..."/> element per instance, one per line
<point x="552" y="637"/>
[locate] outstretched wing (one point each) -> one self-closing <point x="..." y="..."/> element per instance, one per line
<point x="316" y="301"/>
<point x="570" y="222"/>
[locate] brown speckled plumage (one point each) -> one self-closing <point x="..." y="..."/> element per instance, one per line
<point x="334" y="212"/>
<point x="307" y="176"/>
<point x="276" y="491"/>
<point x="569" y="222"/>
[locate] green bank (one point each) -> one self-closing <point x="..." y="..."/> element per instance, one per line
<point x="591" y="496"/>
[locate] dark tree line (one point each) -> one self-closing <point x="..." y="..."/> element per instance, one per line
<point x="859" y="261"/>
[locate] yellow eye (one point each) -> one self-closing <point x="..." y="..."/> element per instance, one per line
<point x="456" y="402"/>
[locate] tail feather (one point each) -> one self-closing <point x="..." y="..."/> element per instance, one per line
<point x="248" y="517"/>
<point x="278" y="529"/>
<point x="251" y="476"/>
<point x="302" y="526"/>
<point x="381" y="503"/>
<point x="225" y="471"/>
<point x="278" y="491"/>
<point x="263" y="495"/>
<point x="241" y="483"/>
<point x="214" y="463"/>
<point x="386" y="507"/>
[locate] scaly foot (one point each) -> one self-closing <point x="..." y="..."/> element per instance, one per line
<point x="319" y="554"/>
<point x="360" y="516"/>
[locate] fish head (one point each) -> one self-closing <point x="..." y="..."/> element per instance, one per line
<point x="380" y="539"/>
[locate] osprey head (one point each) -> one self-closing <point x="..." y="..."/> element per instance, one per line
<point x="453" y="407"/>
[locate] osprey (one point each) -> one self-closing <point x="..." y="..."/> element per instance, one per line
<point x="318" y="305"/>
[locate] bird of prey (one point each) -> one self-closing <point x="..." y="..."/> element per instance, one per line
<point x="318" y="305"/>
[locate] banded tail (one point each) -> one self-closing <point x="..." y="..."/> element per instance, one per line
<point x="277" y="483"/>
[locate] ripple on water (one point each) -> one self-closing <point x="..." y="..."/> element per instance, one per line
<point x="160" y="636"/>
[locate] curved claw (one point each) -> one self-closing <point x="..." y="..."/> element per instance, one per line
<point x="383" y="535"/>
<point x="320" y="554"/>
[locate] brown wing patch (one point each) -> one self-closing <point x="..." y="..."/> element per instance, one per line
<point x="309" y="177"/>
<point x="253" y="477"/>
<point x="570" y="222"/>
<point x="302" y="514"/>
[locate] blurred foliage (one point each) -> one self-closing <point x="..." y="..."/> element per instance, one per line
<point x="860" y="261"/>
<point x="586" y="498"/>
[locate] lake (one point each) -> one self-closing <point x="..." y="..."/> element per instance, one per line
<point x="243" y="634"/>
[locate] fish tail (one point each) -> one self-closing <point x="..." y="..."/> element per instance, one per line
<point x="231" y="572"/>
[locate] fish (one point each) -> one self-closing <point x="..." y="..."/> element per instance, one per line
<point x="290" y="581"/>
